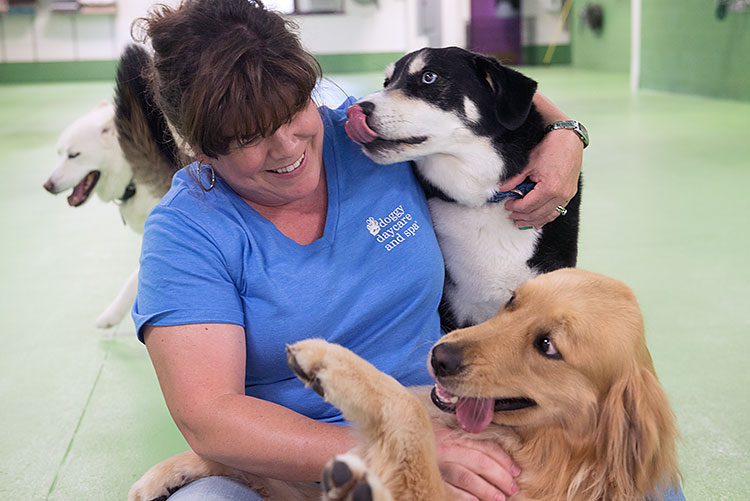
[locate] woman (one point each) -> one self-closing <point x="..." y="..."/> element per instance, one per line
<point x="265" y="241"/>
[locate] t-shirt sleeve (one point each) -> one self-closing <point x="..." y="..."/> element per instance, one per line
<point x="184" y="277"/>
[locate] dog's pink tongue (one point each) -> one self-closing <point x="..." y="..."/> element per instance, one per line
<point x="357" y="128"/>
<point x="474" y="414"/>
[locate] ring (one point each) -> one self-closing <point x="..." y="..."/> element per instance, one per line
<point x="561" y="210"/>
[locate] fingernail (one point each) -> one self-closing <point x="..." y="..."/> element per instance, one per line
<point x="525" y="227"/>
<point x="499" y="497"/>
<point x="513" y="489"/>
<point x="515" y="470"/>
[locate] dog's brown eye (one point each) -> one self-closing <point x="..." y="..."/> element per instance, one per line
<point x="73" y="155"/>
<point x="386" y="82"/>
<point x="544" y="345"/>
<point x="429" y="77"/>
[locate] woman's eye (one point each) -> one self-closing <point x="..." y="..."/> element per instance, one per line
<point x="429" y="77"/>
<point x="510" y="301"/>
<point x="252" y="141"/>
<point x="544" y="345"/>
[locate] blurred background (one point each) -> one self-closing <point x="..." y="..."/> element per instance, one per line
<point x="663" y="87"/>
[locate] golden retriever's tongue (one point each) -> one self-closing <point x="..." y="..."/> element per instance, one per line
<point x="474" y="414"/>
<point x="356" y="127"/>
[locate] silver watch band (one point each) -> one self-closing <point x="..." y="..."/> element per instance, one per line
<point x="573" y="125"/>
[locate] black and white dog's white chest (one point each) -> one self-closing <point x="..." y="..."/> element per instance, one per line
<point x="467" y="123"/>
<point x="486" y="257"/>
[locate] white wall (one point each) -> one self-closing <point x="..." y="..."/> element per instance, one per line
<point x="542" y="23"/>
<point x="391" y="26"/>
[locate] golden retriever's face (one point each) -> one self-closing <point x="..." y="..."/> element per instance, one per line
<point x="548" y="357"/>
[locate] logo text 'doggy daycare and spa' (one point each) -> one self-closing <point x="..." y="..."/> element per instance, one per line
<point x="393" y="229"/>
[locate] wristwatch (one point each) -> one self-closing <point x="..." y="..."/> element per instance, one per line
<point x="576" y="127"/>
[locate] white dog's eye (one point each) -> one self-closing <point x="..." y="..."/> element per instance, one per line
<point x="429" y="77"/>
<point x="73" y="155"/>
<point x="545" y="346"/>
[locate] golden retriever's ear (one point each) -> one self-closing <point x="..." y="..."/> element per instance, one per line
<point x="636" y="437"/>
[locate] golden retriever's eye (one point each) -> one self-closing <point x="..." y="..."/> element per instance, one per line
<point x="544" y="345"/>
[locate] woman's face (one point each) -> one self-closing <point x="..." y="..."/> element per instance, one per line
<point x="280" y="169"/>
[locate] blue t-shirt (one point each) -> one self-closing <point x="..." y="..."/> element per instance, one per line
<point x="372" y="282"/>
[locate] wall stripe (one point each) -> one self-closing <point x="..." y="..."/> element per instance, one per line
<point x="64" y="71"/>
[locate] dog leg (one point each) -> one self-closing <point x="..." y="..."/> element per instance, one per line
<point x="167" y="476"/>
<point x="121" y="304"/>
<point x="398" y="442"/>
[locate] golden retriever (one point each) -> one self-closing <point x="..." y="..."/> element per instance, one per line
<point x="561" y="378"/>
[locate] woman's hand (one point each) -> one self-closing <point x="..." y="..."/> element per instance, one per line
<point x="554" y="165"/>
<point x="474" y="469"/>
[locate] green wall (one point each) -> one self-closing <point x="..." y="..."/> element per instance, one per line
<point x="685" y="48"/>
<point x="609" y="50"/>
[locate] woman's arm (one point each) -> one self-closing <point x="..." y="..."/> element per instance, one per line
<point x="201" y="370"/>
<point x="554" y="165"/>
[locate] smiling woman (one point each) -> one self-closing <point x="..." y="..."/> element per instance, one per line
<point x="296" y="235"/>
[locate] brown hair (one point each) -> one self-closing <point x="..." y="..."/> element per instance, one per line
<point x="227" y="71"/>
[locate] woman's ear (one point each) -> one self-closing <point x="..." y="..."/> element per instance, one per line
<point x="514" y="92"/>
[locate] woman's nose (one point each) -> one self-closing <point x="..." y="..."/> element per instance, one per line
<point x="284" y="142"/>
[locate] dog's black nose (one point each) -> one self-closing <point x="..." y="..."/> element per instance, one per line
<point x="367" y="107"/>
<point x="446" y="359"/>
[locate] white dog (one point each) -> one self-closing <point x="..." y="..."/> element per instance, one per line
<point x="126" y="154"/>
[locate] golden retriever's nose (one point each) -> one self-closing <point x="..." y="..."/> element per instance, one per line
<point x="446" y="359"/>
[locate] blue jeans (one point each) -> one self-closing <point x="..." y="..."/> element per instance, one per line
<point x="674" y="495"/>
<point x="226" y="489"/>
<point x="215" y="489"/>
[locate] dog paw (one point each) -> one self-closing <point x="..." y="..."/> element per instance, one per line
<point x="334" y="373"/>
<point x="346" y="478"/>
<point x="148" y="489"/>
<point x="311" y="361"/>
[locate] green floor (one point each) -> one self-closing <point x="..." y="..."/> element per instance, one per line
<point x="666" y="181"/>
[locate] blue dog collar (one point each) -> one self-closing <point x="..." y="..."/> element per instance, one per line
<point x="518" y="192"/>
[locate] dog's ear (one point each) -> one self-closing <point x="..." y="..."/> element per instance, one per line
<point x="513" y="91"/>
<point x="108" y="128"/>
<point x="636" y="436"/>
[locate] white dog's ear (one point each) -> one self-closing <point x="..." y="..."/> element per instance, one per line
<point x="109" y="129"/>
<point x="636" y="435"/>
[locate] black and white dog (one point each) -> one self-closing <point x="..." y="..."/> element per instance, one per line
<point x="467" y="123"/>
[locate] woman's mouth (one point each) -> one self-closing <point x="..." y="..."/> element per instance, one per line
<point x="290" y="168"/>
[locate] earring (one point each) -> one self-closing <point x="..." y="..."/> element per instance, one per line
<point x="200" y="179"/>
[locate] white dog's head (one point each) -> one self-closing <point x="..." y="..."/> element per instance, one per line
<point x="90" y="159"/>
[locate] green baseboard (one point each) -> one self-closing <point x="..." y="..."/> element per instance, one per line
<point x="66" y="71"/>
<point x="534" y="55"/>
<point x="357" y="63"/>
<point x="58" y="71"/>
